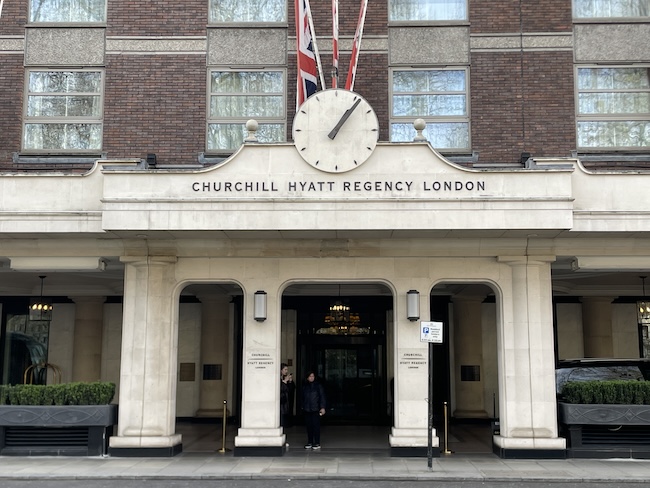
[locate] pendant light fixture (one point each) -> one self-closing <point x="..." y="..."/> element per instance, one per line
<point x="40" y="309"/>
<point x="643" y="306"/>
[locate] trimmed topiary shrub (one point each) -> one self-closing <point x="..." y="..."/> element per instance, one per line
<point x="607" y="392"/>
<point x="97" y="393"/>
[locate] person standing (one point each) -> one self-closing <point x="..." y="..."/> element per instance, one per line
<point x="313" y="406"/>
<point x="287" y="387"/>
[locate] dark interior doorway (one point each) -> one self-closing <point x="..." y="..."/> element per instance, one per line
<point x="349" y="358"/>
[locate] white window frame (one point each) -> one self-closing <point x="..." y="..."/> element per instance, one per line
<point x="66" y="120"/>
<point x="243" y="118"/>
<point x="610" y="15"/>
<point x="424" y="21"/>
<point x="66" y="21"/>
<point x="282" y="20"/>
<point x="615" y="117"/>
<point x="433" y="119"/>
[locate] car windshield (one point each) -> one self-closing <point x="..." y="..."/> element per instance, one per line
<point x="594" y="372"/>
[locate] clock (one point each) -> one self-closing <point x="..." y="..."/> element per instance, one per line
<point x="335" y="130"/>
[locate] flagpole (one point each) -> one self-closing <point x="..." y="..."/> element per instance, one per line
<point x="352" y="72"/>
<point x="313" y="40"/>
<point x="335" y="43"/>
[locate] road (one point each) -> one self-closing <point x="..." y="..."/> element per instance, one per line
<point x="287" y="483"/>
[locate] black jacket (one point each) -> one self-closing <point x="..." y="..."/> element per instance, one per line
<point x="313" y="397"/>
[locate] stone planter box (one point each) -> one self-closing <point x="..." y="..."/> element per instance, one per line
<point x="71" y="430"/>
<point x="606" y="431"/>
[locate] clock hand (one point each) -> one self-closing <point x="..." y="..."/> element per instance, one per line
<point x="345" y="117"/>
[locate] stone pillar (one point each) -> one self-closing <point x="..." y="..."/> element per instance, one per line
<point x="597" y="327"/>
<point x="215" y="318"/>
<point x="260" y="432"/>
<point x="147" y="413"/>
<point x="527" y="399"/>
<point x="468" y="352"/>
<point x="87" y="345"/>
<point x="411" y="357"/>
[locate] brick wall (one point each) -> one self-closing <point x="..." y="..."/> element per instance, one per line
<point x="14" y="18"/>
<point x="488" y="17"/>
<point x="156" y="18"/>
<point x="12" y="76"/>
<point x="515" y="111"/>
<point x="155" y="104"/>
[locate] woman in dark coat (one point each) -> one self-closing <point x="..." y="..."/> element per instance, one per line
<point x="313" y="406"/>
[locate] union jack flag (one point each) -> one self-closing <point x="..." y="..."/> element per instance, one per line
<point x="307" y="73"/>
<point x="356" y="45"/>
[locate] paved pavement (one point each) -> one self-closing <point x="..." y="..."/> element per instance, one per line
<point x="299" y="464"/>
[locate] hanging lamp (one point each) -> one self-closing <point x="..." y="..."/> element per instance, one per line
<point x="40" y="309"/>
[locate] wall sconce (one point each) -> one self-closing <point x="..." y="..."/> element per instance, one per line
<point x="152" y="160"/>
<point x="413" y="305"/>
<point x="260" y="306"/>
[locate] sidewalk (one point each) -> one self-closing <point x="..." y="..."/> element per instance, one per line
<point x="325" y="464"/>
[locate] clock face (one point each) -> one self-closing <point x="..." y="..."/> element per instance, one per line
<point x="335" y="130"/>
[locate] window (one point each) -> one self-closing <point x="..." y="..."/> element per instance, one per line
<point x="67" y="11"/>
<point x="237" y="96"/>
<point x="439" y="96"/>
<point x="63" y="111"/>
<point x="427" y="10"/>
<point x="586" y="9"/>
<point x="613" y="107"/>
<point x="248" y="11"/>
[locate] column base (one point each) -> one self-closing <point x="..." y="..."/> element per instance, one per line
<point x="162" y="446"/>
<point x="260" y="442"/>
<point x="412" y="443"/>
<point x="529" y="448"/>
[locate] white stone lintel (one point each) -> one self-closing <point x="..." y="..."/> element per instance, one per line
<point x="145" y="441"/>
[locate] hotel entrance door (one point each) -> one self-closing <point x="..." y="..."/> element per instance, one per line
<point x="354" y="381"/>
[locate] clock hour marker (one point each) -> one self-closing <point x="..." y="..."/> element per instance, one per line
<point x="303" y="149"/>
<point x="355" y="162"/>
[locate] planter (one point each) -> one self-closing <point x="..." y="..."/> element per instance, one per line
<point x="71" y="430"/>
<point x="606" y="431"/>
<point x="577" y="413"/>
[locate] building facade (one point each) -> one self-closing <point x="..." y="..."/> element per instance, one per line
<point x="189" y="251"/>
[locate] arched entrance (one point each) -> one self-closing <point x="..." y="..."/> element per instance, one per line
<point x="209" y="380"/>
<point x="342" y="332"/>
<point x="465" y="366"/>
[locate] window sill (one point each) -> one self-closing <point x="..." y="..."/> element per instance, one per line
<point x="57" y="158"/>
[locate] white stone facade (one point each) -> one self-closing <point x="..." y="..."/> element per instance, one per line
<point x="264" y="220"/>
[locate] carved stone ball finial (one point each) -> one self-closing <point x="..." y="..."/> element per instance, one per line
<point x="251" y="127"/>
<point x="419" y="125"/>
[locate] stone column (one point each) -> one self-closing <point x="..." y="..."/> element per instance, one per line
<point x="597" y="327"/>
<point x="411" y="357"/>
<point x="528" y="409"/>
<point x="260" y="432"/>
<point x="468" y="352"/>
<point x="215" y="318"/>
<point x="87" y="345"/>
<point x="147" y="413"/>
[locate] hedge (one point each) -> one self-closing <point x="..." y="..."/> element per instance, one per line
<point x="618" y="392"/>
<point x="97" y="393"/>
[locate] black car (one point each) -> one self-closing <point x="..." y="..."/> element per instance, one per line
<point x="588" y="369"/>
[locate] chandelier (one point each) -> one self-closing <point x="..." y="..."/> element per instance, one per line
<point x="643" y="307"/>
<point x="340" y="317"/>
<point x="40" y="309"/>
